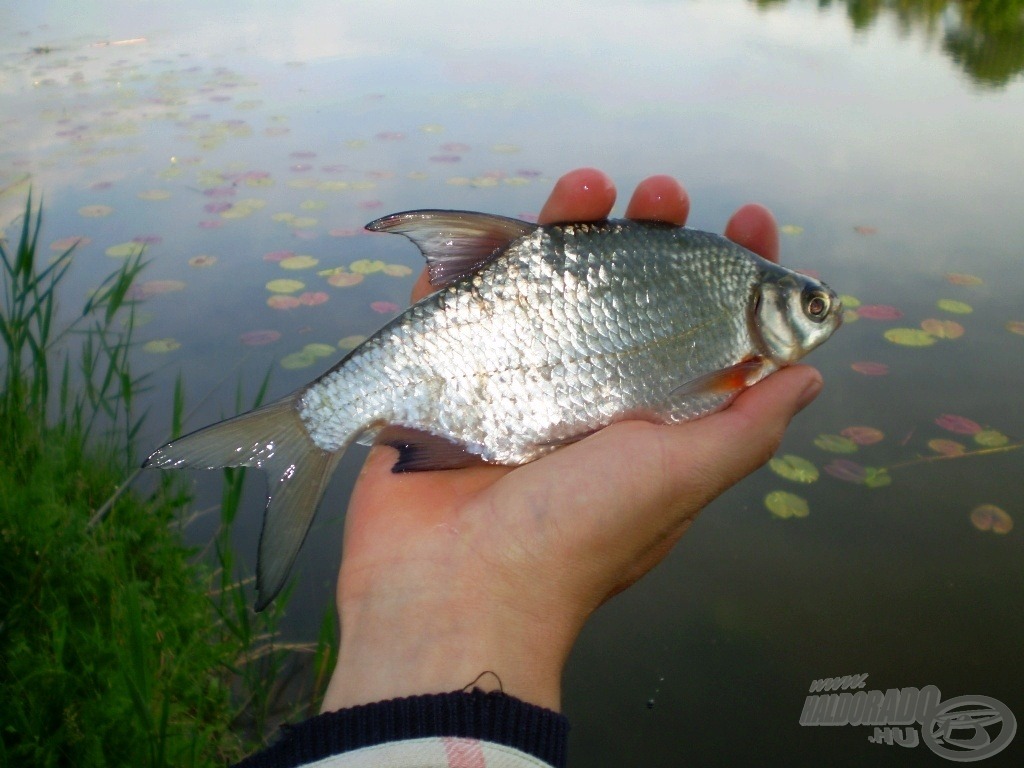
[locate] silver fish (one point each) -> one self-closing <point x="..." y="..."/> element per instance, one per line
<point x="535" y="337"/>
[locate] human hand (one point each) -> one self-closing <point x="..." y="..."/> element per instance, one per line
<point x="445" y="575"/>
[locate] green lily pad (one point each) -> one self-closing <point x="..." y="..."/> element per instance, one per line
<point x="991" y="438"/>
<point x="910" y="337"/>
<point x="877" y="477"/>
<point x="794" y="468"/>
<point x="835" y="444"/>
<point x="123" y="250"/>
<point x="296" y="360"/>
<point x="784" y="504"/>
<point x="298" y="262"/>
<point x="367" y="266"/>
<point x="161" y="346"/>
<point x="351" y="342"/>
<point x="956" y="307"/>
<point x="320" y="350"/>
<point x="285" y="286"/>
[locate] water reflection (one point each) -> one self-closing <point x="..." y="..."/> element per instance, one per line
<point x="984" y="37"/>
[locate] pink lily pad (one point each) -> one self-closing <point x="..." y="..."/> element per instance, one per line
<point x="959" y="425"/>
<point x="844" y="469"/>
<point x="868" y="368"/>
<point x="384" y="307"/>
<point x="989" y="517"/>
<point x="274" y="256"/>
<point x="945" y="447"/>
<point x="259" y="338"/>
<point x="312" y="298"/>
<point x="863" y="435"/>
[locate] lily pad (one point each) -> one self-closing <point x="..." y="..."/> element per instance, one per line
<point x="154" y="194"/>
<point x="947" y="447"/>
<point x="123" y="250"/>
<point x="959" y="425"/>
<point x="313" y="298"/>
<point x="959" y="278"/>
<point x="877" y="477"/>
<point x="384" y="307"/>
<point x="1015" y="326"/>
<point x="850" y="302"/>
<point x="956" y="307"/>
<point x="161" y="346"/>
<point x="345" y="279"/>
<point x="67" y="243"/>
<point x="275" y="256"/>
<point x="868" y="368"/>
<point x="863" y="435"/>
<point x="989" y="517"/>
<point x="351" y="342"/>
<point x="791" y="229"/>
<point x="991" y="438"/>
<point x="835" y="444"/>
<point x="784" y="504"/>
<point x="95" y="211"/>
<point x="259" y="338"/>
<point x="296" y="360"/>
<point x="794" y="468"/>
<point x="281" y="301"/>
<point x="298" y="262"/>
<point x="942" y="329"/>
<point x="910" y="337"/>
<point x="320" y="350"/>
<point x="156" y="287"/>
<point x="202" y="260"/>
<point x="844" y="469"/>
<point x="284" y="285"/>
<point x="367" y="266"/>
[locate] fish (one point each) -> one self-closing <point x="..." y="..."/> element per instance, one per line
<point x="534" y="337"/>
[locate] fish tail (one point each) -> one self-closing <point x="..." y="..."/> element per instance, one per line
<point x="272" y="438"/>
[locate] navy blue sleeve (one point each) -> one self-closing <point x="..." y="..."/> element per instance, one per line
<point x="494" y="717"/>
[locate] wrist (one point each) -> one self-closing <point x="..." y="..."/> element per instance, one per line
<point x="400" y="644"/>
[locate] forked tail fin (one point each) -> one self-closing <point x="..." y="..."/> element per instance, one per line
<point x="272" y="438"/>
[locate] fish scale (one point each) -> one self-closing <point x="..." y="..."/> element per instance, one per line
<point x="535" y="337"/>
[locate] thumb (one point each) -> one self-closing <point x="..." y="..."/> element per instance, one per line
<point x="716" y="452"/>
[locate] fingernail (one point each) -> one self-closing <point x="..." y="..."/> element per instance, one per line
<point x="811" y="391"/>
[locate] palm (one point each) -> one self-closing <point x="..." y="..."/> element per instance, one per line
<point x="611" y="505"/>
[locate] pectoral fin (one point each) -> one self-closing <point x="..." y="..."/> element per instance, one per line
<point x="731" y="380"/>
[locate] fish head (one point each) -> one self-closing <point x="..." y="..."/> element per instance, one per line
<point x="792" y="314"/>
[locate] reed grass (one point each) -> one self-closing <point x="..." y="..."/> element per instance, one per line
<point x="118" y="645"/>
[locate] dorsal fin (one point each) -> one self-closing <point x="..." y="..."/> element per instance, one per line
<point x="454" y="243"/>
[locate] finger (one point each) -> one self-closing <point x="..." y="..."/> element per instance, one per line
<point x="674" y="471"/>
<point x="754" y="227"/>
<point x="585" y="194"/>
<point x="659" y="198"/>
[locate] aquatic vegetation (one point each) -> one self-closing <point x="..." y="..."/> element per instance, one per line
<point x="784" y="504"/>
<point x="989" y="517"/>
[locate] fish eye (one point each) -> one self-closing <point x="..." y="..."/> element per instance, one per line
<point x="816" y="305"/>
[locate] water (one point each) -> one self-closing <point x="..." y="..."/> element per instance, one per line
<point x="890" y="147"/>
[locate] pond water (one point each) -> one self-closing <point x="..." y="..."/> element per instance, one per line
<point x="245" y="144"/>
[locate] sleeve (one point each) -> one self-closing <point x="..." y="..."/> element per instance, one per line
<point x="473" y="729"/>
